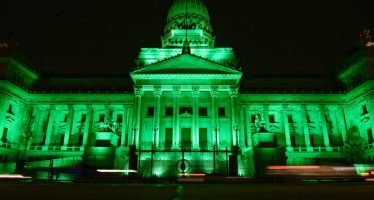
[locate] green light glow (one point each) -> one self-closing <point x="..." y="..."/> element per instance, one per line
<point x="186" y="108"/>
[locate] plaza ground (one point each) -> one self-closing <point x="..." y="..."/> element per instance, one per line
<point x="92" y="191"/>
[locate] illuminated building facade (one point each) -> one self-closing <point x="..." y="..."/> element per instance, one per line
<point x="186" y="112"/>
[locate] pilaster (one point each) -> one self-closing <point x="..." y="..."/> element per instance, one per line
<point x="176" y="135"/>
<point x="195" y="119"/>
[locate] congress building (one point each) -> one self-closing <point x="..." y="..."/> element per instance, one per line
<point x="186" y="109"/>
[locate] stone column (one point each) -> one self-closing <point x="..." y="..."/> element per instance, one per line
<point x="130" y="121"/>
<point x="176" y="135"/>
<point x="248" y="126"/>
<point x="137" y="115"/>
<point x="88" y="124"/>
<point x="324" y="128"/>
<point x="69" y="125"/>
<point x="124" y="131"/>
<point x="341" y="121"/>
<point x="3" y="110"/>
<point x="234" y="120"/>
<point x="215" y="139"/>
<point x="195" y="118"/>
<point x="156" y="129"/>
<point x="370" y="105"/>
<point x="51" y="123"/>
<point x="304" y="113"/>
<point x="286" y="127"/>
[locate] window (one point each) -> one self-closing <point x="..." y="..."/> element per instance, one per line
<point x="203" y="138"/>
<point x="5" y="132"/>
<point x="364" y="110"/>
<point x="83" y="119"/>
<point x="271" y="119"/>
<point x="119" y="118"/>
<point x="221" y="112"/>
<point x="186" y="138"/>
<point x="290" y="120"/>
<point x="101" y="117"/>
<point x="370" y="136"/>
<point x="150" y="111"/>
<point x="327" y="118"/>
<point x="10" y="109"/>
<point x="184" y="110"/>
<point x="65" y="118"/>
<point x="253" y="118"/>
<point x="308" y="118"/>
<point x="168" y="138"/>
<point x="203" y="111"/>
<point x="169" y="111"/>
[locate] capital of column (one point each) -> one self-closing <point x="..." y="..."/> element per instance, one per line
<point x="195" y="92"/>
<point x="176" y="91"/>
<point x="234" y="92"/>
<point x="126" y="106"/>
<point x="157" y="92"/>
<point x="138" y="92"/>
<point x="214" y="92"/>
<point x="284" y="107"/>
<point x="303" y="107"/>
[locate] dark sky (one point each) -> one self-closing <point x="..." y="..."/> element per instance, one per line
<point x="269" y="37"/>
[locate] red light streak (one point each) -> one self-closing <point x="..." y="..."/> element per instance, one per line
<point x="293" y="167"/>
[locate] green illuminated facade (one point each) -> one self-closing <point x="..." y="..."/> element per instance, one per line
<point x="186" y="112"/>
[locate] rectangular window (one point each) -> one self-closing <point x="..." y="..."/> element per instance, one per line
<point x="10" y="109"/>
<point x="203" y="138"/>
<point x="65" y="118"/>
<point x="253" y="118"/>
<point x="271" y="119"/>
<point x="203" y="111"/>
<point x="311" y="138"/>
<point x="221" y="112"/>
<point x="308" y="118"/>
<point x="327" y="118"/>
<point x="293" y="141"/>
<point x="119" y="118"/>
<point x="370" y="136"/>
<point x="364" y="110"/>
<point x="169" y="111"/>
<point x="4" y="137"/>
<point x="151" y="111"/>
<point x="185" y="110"/>
<point x="186" y="138"/>
<point x="101" y="117"/>
<point x="168" y="138"/>
<point x="83" y="119"/>
<point x="290" y="120"/>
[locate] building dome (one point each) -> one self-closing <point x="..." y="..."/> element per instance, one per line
<point x="190" y="7"/>
<point x="188" y="19"/>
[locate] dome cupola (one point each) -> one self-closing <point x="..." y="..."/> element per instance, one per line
<point x="188" y="19"/>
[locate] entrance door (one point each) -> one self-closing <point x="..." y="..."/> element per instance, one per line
<point x="186" y="139"/>
<point x="203" y="138"/>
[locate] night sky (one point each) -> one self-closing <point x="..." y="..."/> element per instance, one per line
<point x="269" y="37"/>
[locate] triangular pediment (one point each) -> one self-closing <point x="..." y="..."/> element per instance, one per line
<point x="186" y="64"/>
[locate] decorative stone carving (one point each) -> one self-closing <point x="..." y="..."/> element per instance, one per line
<point x="195" y="92"/>
<point x="234" y="92"/>
<point x="138" y="92"/>
<point x="176" y="91"/>
<point x="214" y="92"/>
<point x="157" y="92"/>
